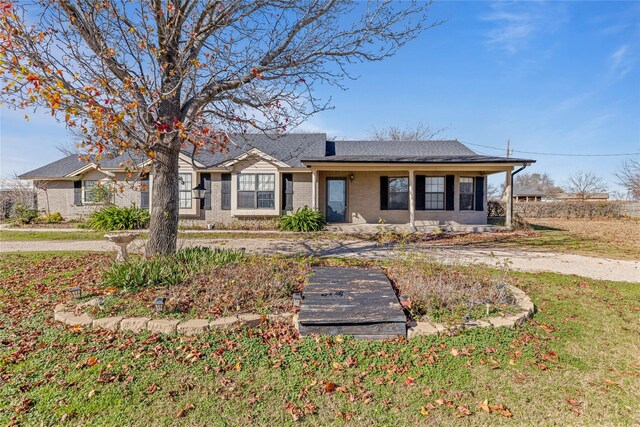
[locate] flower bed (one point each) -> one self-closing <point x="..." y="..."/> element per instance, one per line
<point x="449" y="293"/>
<point x="201" y="283"/>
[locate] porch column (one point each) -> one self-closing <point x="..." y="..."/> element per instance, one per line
<point x="412" y="200"/>
<point x="314" y="190"/>
<point x="508" y="191"/>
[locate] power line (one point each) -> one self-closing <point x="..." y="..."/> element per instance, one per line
<point x="554" y="154"/>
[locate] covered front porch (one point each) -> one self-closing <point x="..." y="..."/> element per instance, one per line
<point x="357" y="198"/>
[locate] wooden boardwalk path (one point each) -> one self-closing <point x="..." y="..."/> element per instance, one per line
<point x="351" y="301"/>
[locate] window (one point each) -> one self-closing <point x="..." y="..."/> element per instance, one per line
<point x="96" y="192"/>
<point x="144" y="192"/>
<point x="434" y="192"/>
<point x="256" y="191"/>
<point x="399" y="193"/>
<point x="466" y="193"/>
<point x="185" y="188"/>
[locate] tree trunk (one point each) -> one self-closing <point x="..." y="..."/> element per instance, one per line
<point x="163" y="230"/>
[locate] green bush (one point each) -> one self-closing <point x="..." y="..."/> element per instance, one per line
<point x="24" y="214"/>
<point x="53" y="218"/>
<point x="116" y="218"/>
<point x="168" y="270"/>
<point x="303" y="219"/>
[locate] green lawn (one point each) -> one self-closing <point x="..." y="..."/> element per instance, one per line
<point x="577" y="362"/>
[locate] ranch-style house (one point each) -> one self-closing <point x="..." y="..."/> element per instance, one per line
<point x="418" y="183"/>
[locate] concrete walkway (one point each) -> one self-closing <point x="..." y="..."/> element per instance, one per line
<point x="586" y="266"/>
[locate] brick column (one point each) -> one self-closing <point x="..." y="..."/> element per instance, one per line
<point x="314" y="190"/>
<point x="412" y="199"/>
<point x="508" y="190"/>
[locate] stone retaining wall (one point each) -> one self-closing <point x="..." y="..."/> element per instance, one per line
<point x="71" y="317"/>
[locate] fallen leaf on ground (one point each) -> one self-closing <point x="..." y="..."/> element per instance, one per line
<point x="187" y="408"/>
<point x="329" y="387"/>
<point x="573" y="402"/>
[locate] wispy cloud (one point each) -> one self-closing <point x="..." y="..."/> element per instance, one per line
<point x="620" y="62"/>
<point x="515" y="24"/>
<point x="572" y="102"/>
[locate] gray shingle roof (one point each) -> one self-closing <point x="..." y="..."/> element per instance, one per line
<point x="289" y="149"/>
<point x="443" y="151"/>
<point x="527" y="191"/>
<point x="296" y="149"/>
<point x="402" y="148"/>
<point x="59" y="168"/>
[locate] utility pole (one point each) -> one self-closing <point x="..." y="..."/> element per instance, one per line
<point x="508" y="148"/>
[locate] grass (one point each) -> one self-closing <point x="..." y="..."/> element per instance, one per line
<point x="577" y="363"/>
<point x="610" y="238"/>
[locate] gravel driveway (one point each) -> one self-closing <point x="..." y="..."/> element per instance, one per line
<point x="586" y="266"/>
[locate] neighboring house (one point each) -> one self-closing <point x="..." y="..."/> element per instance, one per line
<point x="576" y="197"/>
<point x="527" y="194"/>
<point x="406" y="182"/>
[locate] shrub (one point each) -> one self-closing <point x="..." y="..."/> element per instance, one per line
<point x="53" y="218"/>
<point x="303" y="219"/>
<point x="168" y="270"/>
<point x="564" y="209"/>
<point x="495" y="209"/>
<point x="24" y="214"/>
<point x="116" y="218"/>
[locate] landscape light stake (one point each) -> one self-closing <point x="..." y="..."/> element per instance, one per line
<point x="487" y="304"/>
<point x="76" y="292"/>
<point x="159" y="304"/>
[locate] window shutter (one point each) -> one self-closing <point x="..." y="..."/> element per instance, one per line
<point x="287" y="192"/>
<point x="479" y="193"/>
<point x="225" y="191"/>
<point x="449" y="192"/>
<point x="384" y="193"/>
<point x="77" y="193"/>
<point x="205" y="180"/>
<point x="420" y="192"/>
<point x="144" y="193"/>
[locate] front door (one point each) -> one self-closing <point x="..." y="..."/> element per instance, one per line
<point x="336" y="199"/>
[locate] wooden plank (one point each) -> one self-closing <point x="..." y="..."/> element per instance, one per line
<point x="386" y="329"/>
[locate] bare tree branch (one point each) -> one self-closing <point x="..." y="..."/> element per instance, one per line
<point x="585" y="184"/>
<point x="629" y="177"/>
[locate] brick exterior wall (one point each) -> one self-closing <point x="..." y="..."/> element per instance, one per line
<point x="363" y="198"/>
<point x="363" y="201"/>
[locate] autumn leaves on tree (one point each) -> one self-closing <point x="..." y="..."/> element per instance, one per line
<point x="152" y="78"/>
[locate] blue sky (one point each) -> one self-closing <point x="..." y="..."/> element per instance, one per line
<point x="554" y="77"/>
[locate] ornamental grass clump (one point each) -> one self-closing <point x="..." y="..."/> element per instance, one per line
<point x="449" y="292"/>
<point x="168" y="270"/>
<point x="303" y="219"/>
<point x="119" y="218"/>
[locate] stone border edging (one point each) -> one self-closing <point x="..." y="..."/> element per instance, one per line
<point x="415" y="329"/>
<point x="64" y="314"/>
